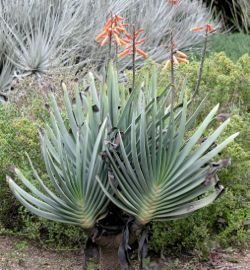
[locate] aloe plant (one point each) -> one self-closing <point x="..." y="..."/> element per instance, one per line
<point x="44" y="35"/>
<point x="120" y="160"/>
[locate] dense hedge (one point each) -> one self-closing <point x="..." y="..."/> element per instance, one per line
<point x="224" y="223"/>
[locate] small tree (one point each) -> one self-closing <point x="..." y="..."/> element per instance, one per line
<point x="121" y="160"/>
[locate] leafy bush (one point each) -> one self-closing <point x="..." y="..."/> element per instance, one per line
<point x="224" y="81"/>
<point x="18" y="135"/>
<point x="226" y="222"/>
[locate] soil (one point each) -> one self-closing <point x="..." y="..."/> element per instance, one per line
<point x="19" y="254"/>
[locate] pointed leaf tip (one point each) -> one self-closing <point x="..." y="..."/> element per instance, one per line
<point x="217" y="106"/>
<point x="236" y="134"/>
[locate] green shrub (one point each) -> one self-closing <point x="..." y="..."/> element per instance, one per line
<point x="224" y="81"/>
<point x="18" y="135"/>
<point x="226" y="222"/>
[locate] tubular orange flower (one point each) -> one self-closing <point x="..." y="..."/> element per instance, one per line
<point x="182" y="60"/>
<point x="111" y="31"/>
<point x="175" y="60"/>
<point x="132" y="45"/>
<point x="142" y="53"/>
<point x="124" y="53"/>
<point x="167" y="65"/>
<point x="181" y="54"/>
<point x="178" y="57"/>
<point x="198" y="28"/>
<point x="208" y="27"/>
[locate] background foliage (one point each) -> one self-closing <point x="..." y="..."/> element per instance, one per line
<point x="40" y="36"/>
<point x="19" y="135"/>
<point x="235" y="13"/>
<point x="234" y="45"/>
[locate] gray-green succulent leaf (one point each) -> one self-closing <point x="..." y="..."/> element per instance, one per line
<point x="159" y="175"/>
<point x="72" y="162"/>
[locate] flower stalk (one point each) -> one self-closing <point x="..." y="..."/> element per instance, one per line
<point x="131" y="48"/>
<point x="208" y="29"/>
<point x="133" y="58"/>
<point x="172" y="76"/>
<point x="200" y="70"/>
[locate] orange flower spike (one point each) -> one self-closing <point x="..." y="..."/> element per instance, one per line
<point x="112" y="30"/>
<point x="132" y="42"/>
